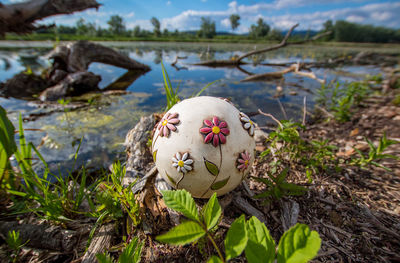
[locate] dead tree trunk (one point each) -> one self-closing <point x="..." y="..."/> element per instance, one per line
<point x="20" y="17"/>
<point x="43" y="236"/>
<point x="239" y="60"/>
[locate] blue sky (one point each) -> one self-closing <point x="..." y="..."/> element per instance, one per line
<point x="282" y="14"/>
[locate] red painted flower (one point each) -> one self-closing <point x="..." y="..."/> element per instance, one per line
<point x="215" y="131"/>
<point x="167" y="124"/>
<point x="243" y="161"/>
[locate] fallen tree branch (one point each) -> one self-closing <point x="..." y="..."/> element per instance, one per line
<point x="43" y="236"/>
<point x="20" y="17"/>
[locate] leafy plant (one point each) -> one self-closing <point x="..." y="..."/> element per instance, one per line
<point x="53" y="201"/>
<point x="375" y="153"/>
<point x="277" y="187"/>
<point x="131" y="253"/>
<point x="14" y="243"/>
<point x="112" y="196"/>
<point x="286" y="145"/>
<point x="7" y="148"/>
<point x="298" y="244"/>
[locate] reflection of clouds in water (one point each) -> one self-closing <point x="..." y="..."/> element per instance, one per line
<point x="10" y="65"/>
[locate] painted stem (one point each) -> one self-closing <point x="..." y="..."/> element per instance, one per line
<point x="219" y="169"/>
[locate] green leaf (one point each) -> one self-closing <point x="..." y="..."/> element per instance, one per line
<point x="7" y="133"/>
<point x="212" y="212"/>
<point x="132" y="252"/>
<point x="214" y="259"/>
<point x="236" y="238"/>
<point x="299" y="244"/>
<point x="104" y="258"/>
<point x="211" y="167"/>
<point x="183" y="202"/>
<point x="218" y="185"/>
<point x="260" y="246"/>
<point x="182" y="234"/>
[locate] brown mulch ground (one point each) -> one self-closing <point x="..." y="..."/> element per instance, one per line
<point x="356" y="211"/>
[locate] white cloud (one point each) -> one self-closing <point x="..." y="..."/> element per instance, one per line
<point x="131" y="14"/>
<point x="226" y="22"/>
<point x="169" y="2"/>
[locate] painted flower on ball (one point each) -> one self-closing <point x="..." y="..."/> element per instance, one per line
<point x="167" y="124"/>
<point x="243" y="161"/>
<point x="215" y="131"/>
<point x="182" y="163"/>
<point x="247" y="123"/>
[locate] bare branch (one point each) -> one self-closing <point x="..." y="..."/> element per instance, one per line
<point x="271" y="116"/>
<point x="20" y="17"/>
<point x="282" y="44"/>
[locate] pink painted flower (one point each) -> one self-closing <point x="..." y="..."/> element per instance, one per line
<point x="167" y="124"/>
<point x="243" y="161"/>
<point x="215" y="131"/>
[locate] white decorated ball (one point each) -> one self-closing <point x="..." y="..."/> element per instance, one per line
<point x="204" y="145"/>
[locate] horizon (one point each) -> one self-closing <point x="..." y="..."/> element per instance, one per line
<point x="279" y="14"/>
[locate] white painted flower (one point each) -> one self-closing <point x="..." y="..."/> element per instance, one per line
<point x="182" y="163"/>
<point x="247" y="123"/>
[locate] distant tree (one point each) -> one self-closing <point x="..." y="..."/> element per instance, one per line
<point x="136" y="31"/>
<point x="166" y="32"/>
<point x="259" y="30"/>
<point x="66" y="29"/>
<point x="156" y="24"/>
<point x="275" y="34"/>
<point x="328" y="26"/>
<point x="116" y="25"/>
<point x="207" y="28"/>
<point x="81" y="28"/>
<point x="234" y="19"/>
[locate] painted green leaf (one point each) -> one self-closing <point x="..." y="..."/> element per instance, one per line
<point x="170" y="178"/>
<point x="214" y="259"/>
<point x="218" y="185"/>
<point x="299" y="244"/>
<point x="260" y="246"/>
<point x="236" y="238"/>
<point x="211" y="167"/>
<point x="211" y="212"/>
<point x="155" y="155"/>
<point x="181" y="201"/>
<point x="182" y="234"/>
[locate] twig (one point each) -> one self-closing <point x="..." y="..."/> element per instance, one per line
<point x="282" y="109"/>
<point x="272" y="117"/>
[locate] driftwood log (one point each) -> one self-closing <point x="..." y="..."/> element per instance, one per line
<point x="43" y="236"/>
<point x="68" y="75"/>
<point x="239" y="61"/>
<point x="100" y="243"/>
<point x="20" y="17"/>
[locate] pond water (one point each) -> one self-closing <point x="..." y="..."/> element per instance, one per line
<point x="104" y="124"/>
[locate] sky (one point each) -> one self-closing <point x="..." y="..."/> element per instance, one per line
<point x="281" y="14"/>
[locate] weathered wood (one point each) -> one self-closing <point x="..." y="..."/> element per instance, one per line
<point x="43" y="236"/>
<point x="20" y="17"/>
<point x="79" y="55"/>
<point x="100" y="243"/>
<point x="246" y="207"/>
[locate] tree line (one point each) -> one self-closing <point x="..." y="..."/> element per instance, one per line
<point x="342" y="31"/>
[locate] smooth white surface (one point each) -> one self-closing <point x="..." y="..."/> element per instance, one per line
<point x="187" y="138"/>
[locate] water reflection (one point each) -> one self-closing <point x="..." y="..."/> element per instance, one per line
<point x="105" y="123"/>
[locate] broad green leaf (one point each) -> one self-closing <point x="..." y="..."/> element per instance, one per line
<point x="260" y="246"/>
<point x="281" y="177"/>
<point x="214" y="259"/>
<point x="218" y="185"/>
<point x="212" y="212"/>
<point x="182" y="234"/>
<point x="183" y="202"/>
<point x="299" y="244"/>
<point x="211" y="167"/>
<point x="7" y="133"/>
<point x="236" y="238"/>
